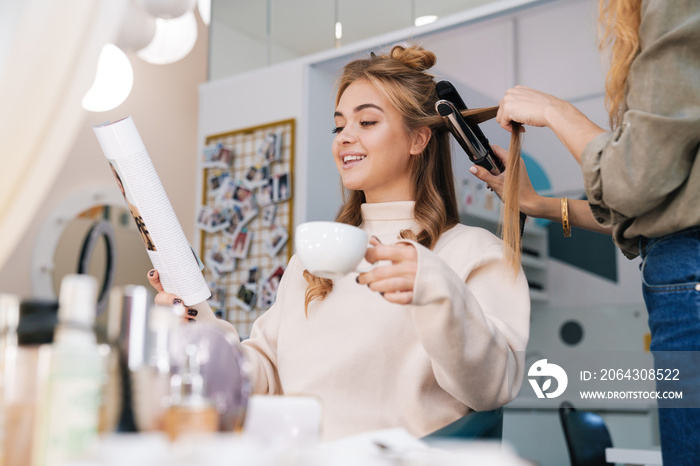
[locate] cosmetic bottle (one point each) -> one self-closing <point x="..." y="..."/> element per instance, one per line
<point x="9" y="317"/>
<point x="36" y="324"/>
<point x="151" y="383"/>
<point x="72" y="377"/>
<point x="130" y="305"/>
<point x="190" y="412"/>
<point x="112" y="393"/>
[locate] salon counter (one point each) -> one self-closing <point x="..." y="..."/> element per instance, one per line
<point x="378" y="448"/>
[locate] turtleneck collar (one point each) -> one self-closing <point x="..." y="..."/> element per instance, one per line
<point x="386" y="219"/>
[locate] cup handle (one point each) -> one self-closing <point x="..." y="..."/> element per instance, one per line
<point x="367" y="269"/>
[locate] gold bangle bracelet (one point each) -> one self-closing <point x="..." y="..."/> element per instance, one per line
<point x="566" y="226"/>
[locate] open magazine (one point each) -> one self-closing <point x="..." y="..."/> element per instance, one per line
<point x="171" y="254"/>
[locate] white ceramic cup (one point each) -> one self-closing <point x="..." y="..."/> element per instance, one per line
<point x="331" y="249"/>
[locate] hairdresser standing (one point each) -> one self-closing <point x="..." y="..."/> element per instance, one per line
<point x="643" y="178"/>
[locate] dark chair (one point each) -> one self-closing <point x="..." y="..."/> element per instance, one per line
<point x="587" y="437"/>
<point x="475" y="425"/>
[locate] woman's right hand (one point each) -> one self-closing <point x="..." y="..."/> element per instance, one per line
<point x="528" y="197"/>
<point x="168" y="299"/>
<point x="528" y="106"/>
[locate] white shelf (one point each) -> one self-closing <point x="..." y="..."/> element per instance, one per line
<point x="533" y="262"/>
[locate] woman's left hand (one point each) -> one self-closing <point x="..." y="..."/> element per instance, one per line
<point x="394" y="282"/>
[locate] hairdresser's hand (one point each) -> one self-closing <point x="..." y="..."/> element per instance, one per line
<point x="168" y="299"/>
<point x="527" y="106"/>
<point x="528" y="197"/>
<point x="394" y="282"/>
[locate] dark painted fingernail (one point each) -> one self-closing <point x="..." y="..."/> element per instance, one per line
<point x="153" y="271"/>
<point x="378" y="241"/>
<point x="191" y="321"/>
<point x="357" y="279"/>
<point x="177" y="301"/>
<point x="381" y="293"/>
<point x="192" y="312"/>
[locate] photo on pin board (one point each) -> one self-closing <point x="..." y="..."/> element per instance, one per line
<point x="211" y="219"/>
<point x="282" y="190"/>
<point x="267" y="297"/>
<point x="257" y="175"/>
<point x="218" y="295"/>
<point x="241" y="243"/>
<point x="246" y="297"/>
<point x="248" y="208"/>
<point x="273" y="278"/>
<point x="264" y="196"/>
<point x="216" y="179"/>
<point x="220" y="259"/>
<point x="253" y="276"/>
<point x="268" y="215"/>
<point x="275" y="238"/>
<point x="217" y="156"/>
<point x="271" y="148"/>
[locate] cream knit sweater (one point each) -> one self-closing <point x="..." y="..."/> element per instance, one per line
<point x="373" y="364"/>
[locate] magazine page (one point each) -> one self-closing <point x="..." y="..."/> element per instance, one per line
<point x="162" y="235"/>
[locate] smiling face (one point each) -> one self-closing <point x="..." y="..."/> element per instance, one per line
<point x="371" y="148"/>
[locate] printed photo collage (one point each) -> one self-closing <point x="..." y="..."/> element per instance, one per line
<point x="242" y="203"/>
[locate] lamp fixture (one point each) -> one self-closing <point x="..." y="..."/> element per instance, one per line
<point x="423" y="20"/>
<point x="204" y="7"/>
<point x="338" y="30"/>
<point x="113" y="81"/>
<point x="173" y="40"/>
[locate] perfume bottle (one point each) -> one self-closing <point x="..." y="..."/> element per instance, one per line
<point x="190" y="412"/>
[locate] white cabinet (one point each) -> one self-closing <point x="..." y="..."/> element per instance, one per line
<point x="480" y="207"/>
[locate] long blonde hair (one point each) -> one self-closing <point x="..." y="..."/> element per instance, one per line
<point x="401" y="77"/>
<point x="619" y="22"/>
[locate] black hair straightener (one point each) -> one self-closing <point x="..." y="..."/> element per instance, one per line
<point x="469" y="136"/>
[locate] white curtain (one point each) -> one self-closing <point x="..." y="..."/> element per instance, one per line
<point x="48" y="60"/>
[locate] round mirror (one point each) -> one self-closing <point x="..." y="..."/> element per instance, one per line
<point x="90" y="232"/>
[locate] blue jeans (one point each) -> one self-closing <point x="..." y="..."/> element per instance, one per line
<point x="671" y="287"/>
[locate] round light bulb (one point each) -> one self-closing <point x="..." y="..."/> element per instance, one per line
<point x="427" y="19"/>
<point x="204" y="7"/>
<point x="174" y="39"/>
<point x="113" y="81"/>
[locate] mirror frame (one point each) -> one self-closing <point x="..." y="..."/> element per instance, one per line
<point x="51" y="230"/>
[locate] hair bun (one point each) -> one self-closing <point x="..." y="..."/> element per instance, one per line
<point x="415" y="57"/>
